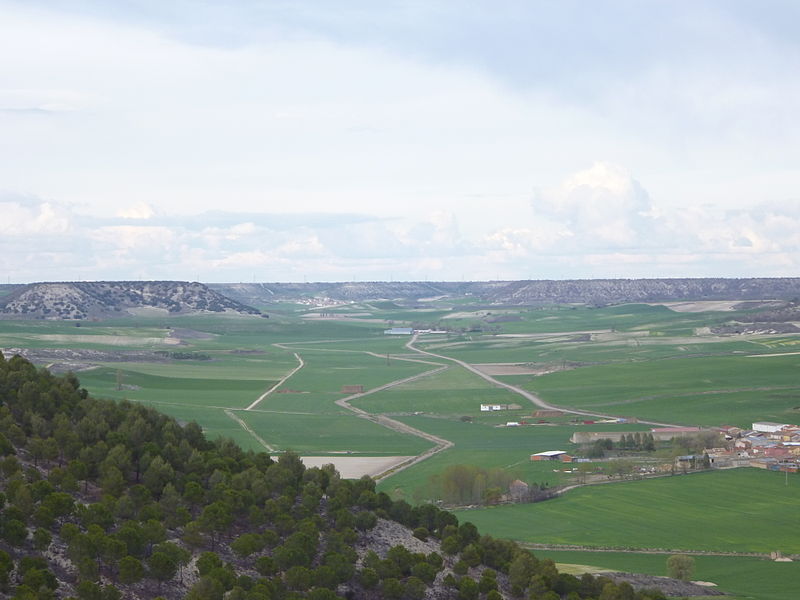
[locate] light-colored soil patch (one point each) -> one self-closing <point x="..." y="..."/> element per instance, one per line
<point x="551" y="334"/>
<point x="512" y="369"/>
<point x="578" y="570"/>
<point x="339" y="317"/>
<point x="191" y="334"/>
<point x="700" y="306"/>
<point x="355" y="467"/>
<point x="147" y="311"/>
<point x="109" y="340"/>
<point x="466" y="315"/>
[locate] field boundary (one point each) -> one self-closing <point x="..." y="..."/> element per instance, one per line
<point x="533" y="398"/>
<point x="249" y="430"/>
<point x="441" y="444"/>
<point x="280" y="382"/>
<point x="579" y="548"/>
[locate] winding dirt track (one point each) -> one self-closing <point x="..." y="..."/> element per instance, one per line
<point x="517" y="390"/>
<point x="440" y="444"/>
<point x="281" y="382"/>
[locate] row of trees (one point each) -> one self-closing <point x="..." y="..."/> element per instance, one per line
<point x="638" y="441"/>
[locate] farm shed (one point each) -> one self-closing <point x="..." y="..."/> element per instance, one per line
<point x="548" y="455"/>
<point x="768" y="427"/>
<point x="399" y="331"/>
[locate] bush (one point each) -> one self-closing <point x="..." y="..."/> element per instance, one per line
<point x="421" y="533"/>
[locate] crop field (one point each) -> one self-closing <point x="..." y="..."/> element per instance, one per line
<point x="318" y="384"/>
<point x="703" y="390"/>
<point x="329" y="434"/>
<point x="743" y="577"/>
<point x="454" y="391"/>
<point x="741" y="510"/>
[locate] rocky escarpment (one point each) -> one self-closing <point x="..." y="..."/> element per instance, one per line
<point x="84" y="300"/>
<point x="584" y="291"/>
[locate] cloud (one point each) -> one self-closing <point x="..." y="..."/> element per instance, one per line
<point x="26" y="217"/>
<point x="140" y="210"/>
<point x="600" y="206"/>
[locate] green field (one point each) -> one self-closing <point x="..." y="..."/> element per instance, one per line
<point x="745" y="578"/>
<point x="454" y="391"/>
<point x="700" y="391"/>
<point x="741" y="510"/>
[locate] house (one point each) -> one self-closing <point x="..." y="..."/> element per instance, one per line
<point x="493" y="407"/>
<point x="548" y="455"/>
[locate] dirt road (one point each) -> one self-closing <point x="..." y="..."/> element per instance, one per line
<point x="280" y="383"/>
<point x="533" y="398"/>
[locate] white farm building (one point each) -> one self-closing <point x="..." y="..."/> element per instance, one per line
<point x="768" y="427"/>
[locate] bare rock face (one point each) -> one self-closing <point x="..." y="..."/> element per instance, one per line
<point x="86" y="300"/>
<point x="387" y="534"/>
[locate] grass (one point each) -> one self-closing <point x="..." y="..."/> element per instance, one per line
<point x="744" y="577"/>
<point x="706" y="391"/>
<point x="316" y="386"/>
<point x="742" y="510"/>
<point x="189" y="391"/>
<point x="325" y="434"/>
<point x="454" y="391"/>
<point x="485" y="446"/>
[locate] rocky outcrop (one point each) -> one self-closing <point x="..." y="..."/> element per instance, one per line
<point x="98" y="299"/>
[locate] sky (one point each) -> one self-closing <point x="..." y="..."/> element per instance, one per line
<point x="418" y="140"/>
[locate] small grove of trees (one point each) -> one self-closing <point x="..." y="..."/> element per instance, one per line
<point x="469" y="484"/>
<point x="636" y="442"/>
<point x="695" y="444"/>
<point x="599" y="448"/>
<point x="680" y="566"/>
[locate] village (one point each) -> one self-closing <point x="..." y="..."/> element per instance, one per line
<point x="766" y="445"/>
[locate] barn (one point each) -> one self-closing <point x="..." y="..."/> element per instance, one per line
<point x="548" y="455"/>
